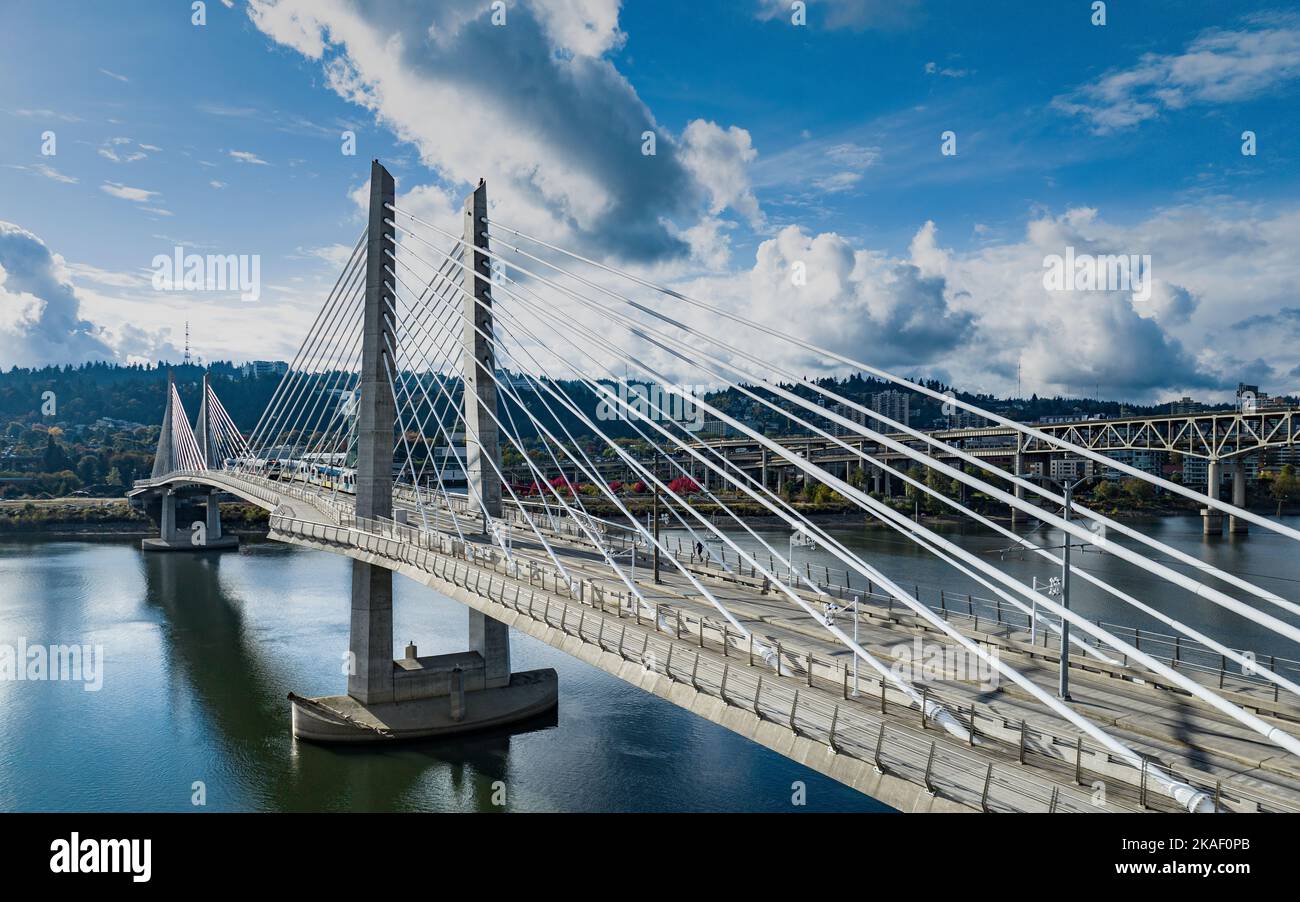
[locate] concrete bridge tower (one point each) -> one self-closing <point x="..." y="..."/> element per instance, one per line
<point x="370" y="680"/>
<point x="418" y="696"/>
<point x="490" y="638"/>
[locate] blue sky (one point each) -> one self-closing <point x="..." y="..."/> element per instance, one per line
<point x="817" y="143"/>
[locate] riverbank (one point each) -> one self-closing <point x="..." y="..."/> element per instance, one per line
<point x="64" y="517"/>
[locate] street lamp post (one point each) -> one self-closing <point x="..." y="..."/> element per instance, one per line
<point x="856" y="598"/>
<point x="1067" y="493"/>
<point x="656" y="533"/>
<point x="1064" y="689"/>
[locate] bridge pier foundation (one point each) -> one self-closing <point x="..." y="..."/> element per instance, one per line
<point x="204" y="535"/>
<point x="1211" y="518"/>
<point x="1237" y="526"/>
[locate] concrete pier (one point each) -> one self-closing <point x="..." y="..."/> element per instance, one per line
<point x="178" y="532"/>
<point x="1212" y="518"/>
<point x="1237" y="526"/>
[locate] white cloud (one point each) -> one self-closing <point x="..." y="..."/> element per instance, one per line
<point x="1221" y="275"/>
<point x="562" y="158"/>
<point x="84" y="272"/>
<point x="933" y="68"/>
<point x="855" y="15"/>
<point x="47" y="114"/>
<point x="839" y="181"/>
<point x="121" y="78"/>
<point x="334" y="254"/>
<point x="216" y="184"/>
<point x="582" y="27"/>
<point x="109" y="151"/>
<point x="1218" y="66"/>
<point x="125" y="192"/>
<point x="244" y="156"/>
<point x="48" y="172"/>
<point x="719" y="158"/>
<point x="40" y="312"/>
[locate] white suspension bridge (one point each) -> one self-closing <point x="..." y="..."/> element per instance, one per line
<point x="404" y="370"/>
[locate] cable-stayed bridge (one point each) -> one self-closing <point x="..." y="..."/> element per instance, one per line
<point x="385" y="443"/>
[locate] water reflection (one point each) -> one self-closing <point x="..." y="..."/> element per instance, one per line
<point x="201" y="651"/>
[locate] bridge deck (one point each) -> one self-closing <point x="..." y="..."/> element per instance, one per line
<point x="691" y="657"/>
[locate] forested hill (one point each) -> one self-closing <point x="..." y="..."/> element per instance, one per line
<point x="136" y="393"/>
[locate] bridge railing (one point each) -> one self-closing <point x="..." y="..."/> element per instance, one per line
<point x="657" y="643"/>
<point x="999" y="617"/>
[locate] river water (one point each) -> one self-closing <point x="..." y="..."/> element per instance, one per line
<point x="200" y="652"/>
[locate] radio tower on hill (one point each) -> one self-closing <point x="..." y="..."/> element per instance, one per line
<point x="187" y="341"/>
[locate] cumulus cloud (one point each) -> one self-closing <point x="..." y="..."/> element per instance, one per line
<point x="40" y="312"/>
<point x="720" y="158"/>
<point x="556" y="129"/>
<point x="1218" y="66"/>
<point x="1221" y="308"/>
<point x="581" y="27"/>
<point x="853" y="301"/>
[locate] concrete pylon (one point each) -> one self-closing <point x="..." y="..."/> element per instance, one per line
<point x="479" y="362"/>
<point x="203" y="433"/>
<point x="1211" y="517"/>
<point x="370" y="642"/>
<point x="1236" y="525"/>
<point x="433" y="695"/>
<point x="489" y="637"/>
<point x="163" y="458"/>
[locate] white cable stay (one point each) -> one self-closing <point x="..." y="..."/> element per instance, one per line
<point x="497" y="538"/>
<point x="345" y="277"/>
<point x="1224" y="650"/>
<point x="905" y="599"/>
<point x="1180" y="579"/>
<point x="299" y="379"/>
<point x="1186" y="795"/>
<point x="472" y="432"/>
<point x="910" y="529"/>
<point x="1064" y="445"/>
<point x="744" y="482"/>
<point x="593" y="538"/>
<point x="341" y="322"/>
<point x="933" y="710"/>
<point x="433" y="411"/>
<point x="861" y="429"/>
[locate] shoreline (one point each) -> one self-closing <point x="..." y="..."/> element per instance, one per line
<point x="71" y="518"/>
<point x="112" y="518"/>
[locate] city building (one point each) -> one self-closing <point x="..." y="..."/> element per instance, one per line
<point x="259" y="368"/>
<point x="853" y="414"/>
<point x="1070" y="468"/>
<point x="1147" y="461"/>
<point x="896" y="405"/>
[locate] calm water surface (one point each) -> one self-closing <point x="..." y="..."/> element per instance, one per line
<point x="200" y="652"/>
